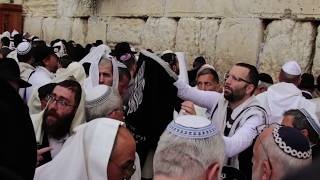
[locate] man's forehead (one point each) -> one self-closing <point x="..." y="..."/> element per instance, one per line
<point x="239" y="70"/>
<point x="62" y="91"/>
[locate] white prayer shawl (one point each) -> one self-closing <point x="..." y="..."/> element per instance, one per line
<point x="317" y="102"/>
<point x="25" y="71"/>
<point x="40" y="77"/>
<point x="13" y="55"/>
<point x="85" y="155"/>
<point x="281" y="97"/>
<point x="93" y="58"/>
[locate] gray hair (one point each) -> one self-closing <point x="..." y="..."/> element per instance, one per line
<point x="176" y="156"/>
<point x="280" y="161"/>
<point x="104" y="107"/>
<point x="105" y="61"/>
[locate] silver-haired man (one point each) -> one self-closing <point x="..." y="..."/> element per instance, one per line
<point x="190" y="148"/>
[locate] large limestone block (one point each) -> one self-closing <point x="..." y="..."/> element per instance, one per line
<point x="131" y="8"/>
<point x="74" y="8"/>
<point x="188" y="36"/>
<point x="97" y="29"/>
<point x="159" y="34"/>
<point x="316" y="60"/>
<point x="207" y="8"/>
<point x="286" y="8"/>
<point x="43" y="8"/>
<point x="208" y="37"/>
<point x="33" y="25"/>
<point x="57" y="28"/>
<point x="287" y="40"/>
<point x="79" y="30"/>
<point x="238" y="40"/>
<point x="125" y="29"/>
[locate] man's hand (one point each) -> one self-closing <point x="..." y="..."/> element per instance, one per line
<point x="40" y="152"/>
<point x="187" y="108"/>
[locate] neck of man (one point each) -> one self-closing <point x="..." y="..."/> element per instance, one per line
<point x="235" y="104"/>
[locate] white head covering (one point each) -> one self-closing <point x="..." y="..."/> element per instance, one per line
<point x="23" y="48"/>
<point x="5" y="34"/>
<point x="312" y="118"/>
<point x="192" y="127"/>
<point x="205" y="66"/>
<point x="94" y="58"/>
<point x="85" y="155"/>
<point x="59" y="49"/>
<point x="14" y="32"/>
<point x="292" y="68"/>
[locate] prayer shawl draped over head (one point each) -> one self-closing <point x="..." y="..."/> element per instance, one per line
<point x="76" y="72"/>
<point x="18" y="152"/>
<point x="150" y="108"/>
<point x="85" y="155"/>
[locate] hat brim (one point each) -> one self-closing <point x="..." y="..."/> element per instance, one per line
<point x="23" y="84"/>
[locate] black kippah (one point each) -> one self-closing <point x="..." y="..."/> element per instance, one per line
<point x="292" y="142"/>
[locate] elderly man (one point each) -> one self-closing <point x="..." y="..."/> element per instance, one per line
<point x="285" y="95"/>
<point x="190" y="148"/>
<point x="55" y="124"/>
<point x="236" y="112"/>
<point x="99" y="149"/>
<point x="307" y="123"/>
<point x="208" y="79"/>
<point x="278" y="151"/>
<point x="105" y="71"/>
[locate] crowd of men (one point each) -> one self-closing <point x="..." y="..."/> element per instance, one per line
<point x="86" y="113"/>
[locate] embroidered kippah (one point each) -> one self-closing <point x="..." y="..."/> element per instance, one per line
<point x="97" y="95"/>
<point x="312" y="119"/>
<point x="292" y="142"/>
<point x="192" y="127"/>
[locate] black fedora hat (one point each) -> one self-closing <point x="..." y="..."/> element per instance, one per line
<point x="41" y="52"/>
<point x="121" y="49"/>
<point x="9" y="71"/>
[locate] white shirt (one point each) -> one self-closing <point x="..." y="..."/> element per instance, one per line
<point x="281" y="97"/>
<point x="40" y="77"/>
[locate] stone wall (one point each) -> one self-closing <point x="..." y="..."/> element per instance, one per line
<point x="266" y="33"/>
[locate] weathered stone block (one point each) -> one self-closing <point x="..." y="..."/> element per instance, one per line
<point x="33" y="25"/>
<point x="125" y="29"/>
<point x="97" y="29"/>
<point x="208" y="37"/>
<point x="73" y="8"/>
<point x="188" y="36"/>
<point x="159" y="34"/>
<point x="132" y="8"/>
<point x="287" y="40"/>
<point x="316" y="59"/>
<point x="57" y="28"/>
<point x="79" y="30"/>
<point x="40" y="8"/>
<point x="285" y="8"/>
<point x="238" y="40"/>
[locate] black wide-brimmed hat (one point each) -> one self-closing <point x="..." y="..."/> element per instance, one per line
<point x="41" y="52"/>
<point x="121" y="49"/>
<point x="9" y="71"/>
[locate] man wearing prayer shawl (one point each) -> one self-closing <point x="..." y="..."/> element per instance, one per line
<point x="99" y="150"/>
<point x="285" y="95"/>
<point x="150" y="108"/>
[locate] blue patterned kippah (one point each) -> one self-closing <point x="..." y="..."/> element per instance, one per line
<point x="192" y="127"/>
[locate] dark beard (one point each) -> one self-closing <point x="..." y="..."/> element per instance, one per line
<point x="235" y="96"/>
<point x="60" y="128"/>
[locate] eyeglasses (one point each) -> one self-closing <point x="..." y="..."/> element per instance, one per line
<point x="60" y="102"/>
<point x="227" y="75"/>
<point x="127" y="169"/>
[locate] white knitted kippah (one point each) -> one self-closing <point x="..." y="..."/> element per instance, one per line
<point x="23" y="48"/>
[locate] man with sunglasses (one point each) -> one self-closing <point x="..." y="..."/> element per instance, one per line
<point x="58" y="119"/>
<point x="236" y="112"/>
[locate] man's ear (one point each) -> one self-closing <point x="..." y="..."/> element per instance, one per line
<point x="250" y="89"/>
<point x="267" y="171"/>
<point x="212" y="172"/>
<point x="305" y="132"/>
